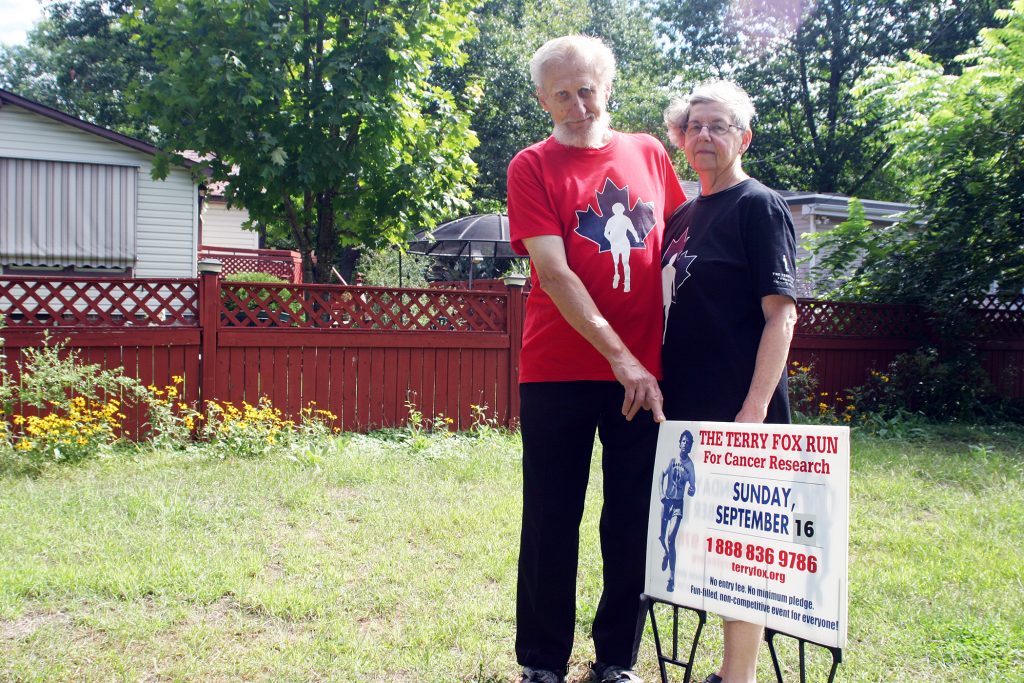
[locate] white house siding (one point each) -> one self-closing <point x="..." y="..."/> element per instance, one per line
<point x="804" y="260"/>
<point x="222" y="227"/>
<point x="167" y="219"/>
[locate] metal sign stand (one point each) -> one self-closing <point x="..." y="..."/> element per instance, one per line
<point x="672" y="658"/>
<point x="837" y="655"/>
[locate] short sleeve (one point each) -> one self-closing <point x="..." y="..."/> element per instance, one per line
<point x="529" y="208"/>
<point x="771" y="247"/>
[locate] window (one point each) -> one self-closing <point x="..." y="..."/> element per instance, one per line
<point x="60" y="214"/>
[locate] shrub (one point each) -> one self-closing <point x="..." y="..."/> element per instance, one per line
<point x="172" y="422"/>
<point x="380" y="268"/>
<point x="924" y="382"/>
<point x="74" y="408"/>
<point x="64" y="410"/>
<point x="256" y="430"/>
<point x="808" y="404"/>
<point x="260" y="299"/>
<point x="254" y="276"/>
<point x="803" y="388"/>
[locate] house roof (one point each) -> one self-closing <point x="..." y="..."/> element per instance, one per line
<point x="838" y="205"/>
<point x="214" y="189"/>
<point x="7" y="97"/>
<point x="827" y="204"/>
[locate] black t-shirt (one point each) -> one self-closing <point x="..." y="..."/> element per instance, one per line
<point x="722" y="253"/>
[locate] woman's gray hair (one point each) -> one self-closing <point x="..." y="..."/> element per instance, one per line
<point x="735" y="99"/>
<point x="587" y="49"/>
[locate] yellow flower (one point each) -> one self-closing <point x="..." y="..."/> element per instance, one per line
<point x="177" y="379"/>
<point x="19" y="419"/>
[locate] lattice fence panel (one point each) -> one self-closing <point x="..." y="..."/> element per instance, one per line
<point x="283" y="264"/>
<point x="361" y="308"/>
<point x="65" y="302"/>
<point x="841" y="318"/>
<point x="250" y="264"/>
<point x="999" y="318"/>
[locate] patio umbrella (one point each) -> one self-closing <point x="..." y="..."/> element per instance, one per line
<point x="478" y="236"/>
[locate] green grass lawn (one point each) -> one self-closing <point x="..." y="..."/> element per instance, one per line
<point x="395" y="564"/>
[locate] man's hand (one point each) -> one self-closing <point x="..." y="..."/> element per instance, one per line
<point x="642" y="390"/>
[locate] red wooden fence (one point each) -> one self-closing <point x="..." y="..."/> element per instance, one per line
<point x="367" y="353"/>
<point x="364" y="353"/>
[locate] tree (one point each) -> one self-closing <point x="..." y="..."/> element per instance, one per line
<point x="958" y="143"/>
<point x="321" y="113"/>
<point x="799" y="60"/>
<point x="81" y="60"/>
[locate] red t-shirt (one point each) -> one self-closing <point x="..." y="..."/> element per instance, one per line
<point x="609" y="206"/>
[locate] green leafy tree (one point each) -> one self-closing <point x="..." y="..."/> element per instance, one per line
<point x="81" y="60"/>
<point x="800" y="60"/>
<point x="325" y="111"/>
<point x="958" y="143"/>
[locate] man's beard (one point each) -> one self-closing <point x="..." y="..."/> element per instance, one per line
<point x="593" y="136"/>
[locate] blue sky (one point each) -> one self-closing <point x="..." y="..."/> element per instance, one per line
<point x="18" y="17"/>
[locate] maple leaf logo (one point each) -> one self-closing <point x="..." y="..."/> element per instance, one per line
<point x="591" y="223"/>
<point x="675" y="270"/>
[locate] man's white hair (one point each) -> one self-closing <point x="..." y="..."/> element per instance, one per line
<point x="735" y="99"/>
<point x="586" y="49"/>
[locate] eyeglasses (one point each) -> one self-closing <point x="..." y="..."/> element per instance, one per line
<point x="716" y="128"/>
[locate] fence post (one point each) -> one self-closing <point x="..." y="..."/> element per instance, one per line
<point x="514" y="321"/>
<point x="209" y="321"/>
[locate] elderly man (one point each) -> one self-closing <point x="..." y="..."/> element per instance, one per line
<point x="590" y="360"/>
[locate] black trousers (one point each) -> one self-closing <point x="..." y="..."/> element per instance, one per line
<point x="558" y="422"/>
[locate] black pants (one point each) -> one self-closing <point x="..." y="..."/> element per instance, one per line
<point x="559" y="420"/>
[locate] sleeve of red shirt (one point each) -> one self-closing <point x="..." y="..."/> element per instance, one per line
<point x="529" y="209"/>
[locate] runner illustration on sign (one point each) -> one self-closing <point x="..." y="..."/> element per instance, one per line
<point x="673" y="486"/>
<point x="615" y="231"/>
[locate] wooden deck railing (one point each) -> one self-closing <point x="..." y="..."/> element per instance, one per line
<point x="283" y="263"/>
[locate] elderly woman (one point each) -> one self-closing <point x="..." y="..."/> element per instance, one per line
<point x="730" y="297"/>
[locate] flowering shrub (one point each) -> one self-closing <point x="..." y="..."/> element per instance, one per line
<point x="803" y="388"/>
<point x="71" y="431"/>
<point x="172" y="422"/>
<point x="808" y="404"/>
<point x="69" y="410"/>
<point x="64" y="410"/>
<point x="256" y="430"/>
